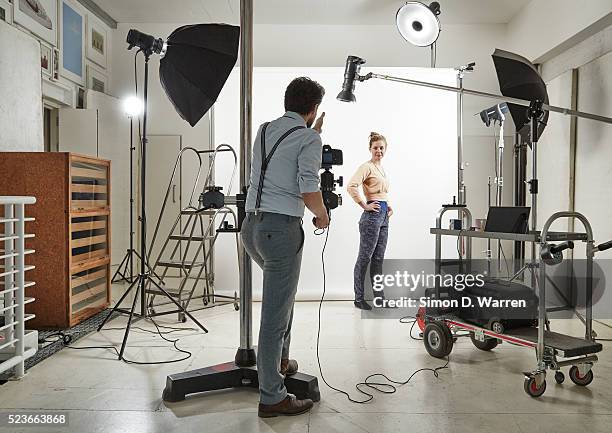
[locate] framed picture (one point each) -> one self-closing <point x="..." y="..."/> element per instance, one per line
<point x="96" y="41"/>
<point x="37" y="16"/>
<point x="72" y="42"/>
<point x="46" y="59"/>
<point x="56" y="62"/>
<point x="6" y="11"/>
<point x="80" y="98"/>
<point x="96" y="80"/>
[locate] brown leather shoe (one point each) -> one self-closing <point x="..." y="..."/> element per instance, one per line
<point x="289" y="406"/>
<point x="288" y="367"/>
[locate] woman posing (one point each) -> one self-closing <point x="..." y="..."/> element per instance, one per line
<point x="374" y="222"/>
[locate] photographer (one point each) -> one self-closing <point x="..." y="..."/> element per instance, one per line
<point x="284" y="179"/>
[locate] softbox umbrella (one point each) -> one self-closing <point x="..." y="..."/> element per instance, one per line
<point x="196" y="65"/>
<point x="518" y="78"/>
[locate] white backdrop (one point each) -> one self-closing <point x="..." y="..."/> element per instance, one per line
<point x="420" y="126"/>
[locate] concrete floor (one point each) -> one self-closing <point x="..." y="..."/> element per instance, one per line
<point x="479" y="392"/>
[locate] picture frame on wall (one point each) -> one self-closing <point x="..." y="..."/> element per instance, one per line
<point x="46" y="59"/>
<point x="96" y="79"/>
<point x="72" y="42"/>
<point x="56" y="62"/>
<point x="6" y="11"/>
<point x="96" y="41"/>
<point x="37" y="16"/>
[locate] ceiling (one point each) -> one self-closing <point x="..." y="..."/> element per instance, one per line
<point x="332" y="12"/>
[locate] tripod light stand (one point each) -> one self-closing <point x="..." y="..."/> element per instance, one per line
<point x="133" y="108"/>
<point x="196" y="62"/>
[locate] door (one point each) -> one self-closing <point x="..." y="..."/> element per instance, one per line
<point x="78" y="131"/>
<point x="162" y="151"/>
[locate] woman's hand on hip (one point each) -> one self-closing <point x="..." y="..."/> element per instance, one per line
<point x="390" y="212"/>
<point x="372" y="207"/>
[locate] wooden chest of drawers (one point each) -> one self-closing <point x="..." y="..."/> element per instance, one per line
<point x="72" y="227"/>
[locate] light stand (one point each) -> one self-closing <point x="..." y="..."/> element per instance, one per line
<point x="144" y="277"/>
<point x="128" y="259"/>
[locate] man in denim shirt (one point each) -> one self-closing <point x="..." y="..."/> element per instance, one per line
<point x="272" y="232"/>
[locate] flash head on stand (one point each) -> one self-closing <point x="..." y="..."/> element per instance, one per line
<point x="147" y="43"/>
<point x="496" y="113"/>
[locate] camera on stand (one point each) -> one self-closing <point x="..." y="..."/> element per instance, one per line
<point x="330" y="157"/>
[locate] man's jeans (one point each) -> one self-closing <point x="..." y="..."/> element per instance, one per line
<point x="274" y="242"/>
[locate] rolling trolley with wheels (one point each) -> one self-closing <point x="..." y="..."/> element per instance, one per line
<point x="553" y="350"/>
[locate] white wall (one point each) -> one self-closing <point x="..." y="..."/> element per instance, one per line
<point x="594" y="149"/>
<point x="543" y="25"/>
<point x="421" y="163"/>
<point x="21" y="126"/>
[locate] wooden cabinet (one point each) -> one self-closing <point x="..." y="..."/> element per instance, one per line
<point x="72" y="227"/>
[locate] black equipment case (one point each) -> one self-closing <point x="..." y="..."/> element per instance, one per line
<point x="511" y="304"/>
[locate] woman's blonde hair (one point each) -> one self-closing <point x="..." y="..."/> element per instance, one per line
<point x="375" y="136"/>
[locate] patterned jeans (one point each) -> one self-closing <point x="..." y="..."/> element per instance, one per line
<point x="374" y="231"/>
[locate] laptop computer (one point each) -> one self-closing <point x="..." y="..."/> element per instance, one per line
<point x="508" y="219"/>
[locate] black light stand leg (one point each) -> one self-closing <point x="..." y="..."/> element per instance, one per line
<point x="187" y="313"/>
<point x="129" y="323"/>
<point x="116" y="307"/>
<point x="122" y="272"/>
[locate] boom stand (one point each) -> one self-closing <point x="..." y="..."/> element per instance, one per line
<point x="241" y="372"/>
<point x="144" y="277"/>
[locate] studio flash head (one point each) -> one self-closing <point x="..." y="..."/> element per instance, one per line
<point x="351" y="73"/>
<point x="147" y="43"/>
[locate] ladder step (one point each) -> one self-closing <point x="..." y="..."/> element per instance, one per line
<point x="180" y="265"/>
<point x="203" y="212"/>
<point x="193" y="238"/>
<point x="172" y="292"/>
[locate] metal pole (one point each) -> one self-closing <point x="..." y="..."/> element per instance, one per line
<point x="461" y="196"/>
<point x="19" y="300"/>
<point x="499" y="181"/>
<point x="508" y="99"/>
<point x="245" y="355"/>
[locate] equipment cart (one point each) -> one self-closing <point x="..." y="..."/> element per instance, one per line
<point x="440" y="329"/>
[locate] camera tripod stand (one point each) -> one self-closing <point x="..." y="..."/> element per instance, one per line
<point x="143" y="279"/>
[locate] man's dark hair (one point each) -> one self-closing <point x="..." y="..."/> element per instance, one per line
<point x="302" y="95"/>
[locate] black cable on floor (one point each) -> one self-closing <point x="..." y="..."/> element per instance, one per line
<point x="412" y="323"/>
<point x="385" y="388"/>
<point x="127" y="361"/>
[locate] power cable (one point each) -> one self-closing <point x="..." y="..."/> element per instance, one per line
<point x="386" y="388"/>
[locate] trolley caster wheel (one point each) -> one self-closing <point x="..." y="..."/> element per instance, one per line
<point x="488" y="344"/>
<point x="497" y="327"/>
<point x="152" y="310"/>
<point x="531" y="387"/>
<point x="182" y="318"/>
<point x="438" y="339"/>
<point x="559" y="377"/>
<point x="205" y="302"/>
<point x="236" y="307"/>
<point x="579" y="380"/>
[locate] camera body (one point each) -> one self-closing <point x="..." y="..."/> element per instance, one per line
<point x="329" y="158"/>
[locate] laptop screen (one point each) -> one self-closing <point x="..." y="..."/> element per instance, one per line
<point x="508" y="219"/>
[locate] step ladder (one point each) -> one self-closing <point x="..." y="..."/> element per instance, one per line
<point x="184" y="262"/>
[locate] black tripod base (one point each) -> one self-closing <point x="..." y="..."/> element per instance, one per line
<point x="229" y="375"/>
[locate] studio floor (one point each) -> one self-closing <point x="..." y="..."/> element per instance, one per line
<point x="478" y="392"/>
